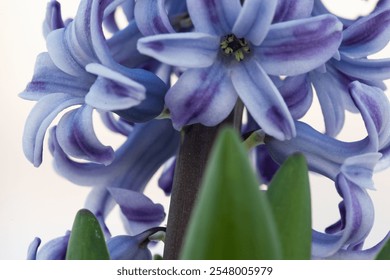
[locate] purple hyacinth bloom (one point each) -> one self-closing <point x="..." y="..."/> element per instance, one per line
<point x="362" y="37"/>
<point x="82" y="70"/>
<point x="146" y="149"/>
<point x="230" y="54"/>
<point x="121" y="247"/>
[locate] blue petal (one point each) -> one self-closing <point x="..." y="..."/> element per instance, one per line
<point x="54" y="249"/>
<point x="266" y="167"/>
<point x="359" y="169"/>
<point x="215" y="17"/>
<point x="367" y="35"/>
<point x="165" y="182"/>
<point x="181" y="49"/>
<point x="263" y="100"/>
<point x="40" y="118"/>
<point x="53" y="19"/>
<point x="298" y="46"/>
<point x="293" y="9"/>
<point x="33" y="249"/>
<point x="363" y="68"/>
<point x="141" y="213"/>
<point x="148" y="146"/>
<point x="250" y="25"/>
<point x="112" y="90"/>
<point x="374" y="107"/>
<point x="125" y="247"/>
<point x="203" y="96"/>
<point x="332" y="105"/>
<point x="152" y="18"/>
<point x="359" y="217"/>
<point x="77" y="138"/>
<point x="298" y="95"/>
<point x="116" y="125"/>
<point x="49" y="79"/>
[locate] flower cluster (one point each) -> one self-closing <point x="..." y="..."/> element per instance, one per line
<point x="268" y="57"/>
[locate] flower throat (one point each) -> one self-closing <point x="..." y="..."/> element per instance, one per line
<point x="233" y="46"/>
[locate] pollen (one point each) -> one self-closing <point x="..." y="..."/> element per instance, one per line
<point x="233" y="46"/>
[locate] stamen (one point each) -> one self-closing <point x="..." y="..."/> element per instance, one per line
<point x="231" y="45"/>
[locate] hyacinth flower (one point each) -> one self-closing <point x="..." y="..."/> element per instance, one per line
<point x="79" y="70"/>
<point x="122" y="182"/>
<point x="361" y="38"/>
<point x="350" y="165"/>
<point x="121" y="247"/>
<point x="231" y="51"/>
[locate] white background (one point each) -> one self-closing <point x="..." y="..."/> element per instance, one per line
<point x="37" y="202"/>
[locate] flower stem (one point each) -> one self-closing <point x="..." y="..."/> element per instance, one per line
<point x="197" y="141"/>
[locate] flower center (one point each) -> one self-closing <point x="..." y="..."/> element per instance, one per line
<point x="233" y="46"/>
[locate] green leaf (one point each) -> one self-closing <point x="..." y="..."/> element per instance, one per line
<point x="384" y="254"/>
<point x="86" y="241"/>
<point x="232" y="218"/>
<point x="289" y="196"/>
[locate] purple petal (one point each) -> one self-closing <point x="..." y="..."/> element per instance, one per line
<point x="215" y="17"/>
<point x="367" y="35"/>
<point x="363" y="68"/>
<point x="250" y="25"/>
<point x="293" y="9"/>
<point x="263" y="100"/>
<point x="33" y="249"/>
<point x="266" y="167"/>
<point x="181" y="49"/>
<point x="53" y="19"/>
<point x="298" y="95"/>
<point x="374" y="107"/>
<point x="359" y="217"/>
<point x="138" y="209"/>
<point x="148" y="146"/>
<point x="49" y="79"/>
<point x="359" y="169"/>
<point x="165" y="182"/>
<point x="203" y="96"/>
<point x="54" y="249"/>
<point x="112" y="90"/>
<point x="296" y="47"/>
<point x="332" y="105"/>
<point x="77" y="138"/>
<point x="40" y="118"/>
<point x="152" y="18"/>
<point x="116" y="125"/>
<point x="125" y="247"/>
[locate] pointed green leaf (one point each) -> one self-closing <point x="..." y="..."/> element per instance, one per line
<point x="86" y="241"/>
<point x="289" y="196"/>
<point x="232" y="218"/>
<point x="384" y="254"/>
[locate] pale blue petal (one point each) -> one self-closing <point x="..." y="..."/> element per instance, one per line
<point x="152" y="18"/>
<point x="53" y="18"/>
<point x="148" y="146"/>
<point x="49" y="79"/>
<point x="40" y="118"/>
<point x="77" y="138"/>
<point x="112" y="90"/>
<point x="293" y="9"/>
<point x="117" y="125"/>
<point x="263" y="100"/>
<point x="332" y="105"/>
<point x="141" y="212"/>
<point x="182" y="49"/>
<point x="203" y="96"/>
<point x="363" y="68"/>
<point x="125" y="247"/>
<point x="54" y="249"/>
<point x="33" y="249"/>
<point x="359" y="169"/>
<point x="298" y="95"/>
<point x="367" y="35"/>
<point x="215" y="17"/>
<point x="165" y="182"/>
<point x="254" y="20"/>
<point x="296" y="47"/>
